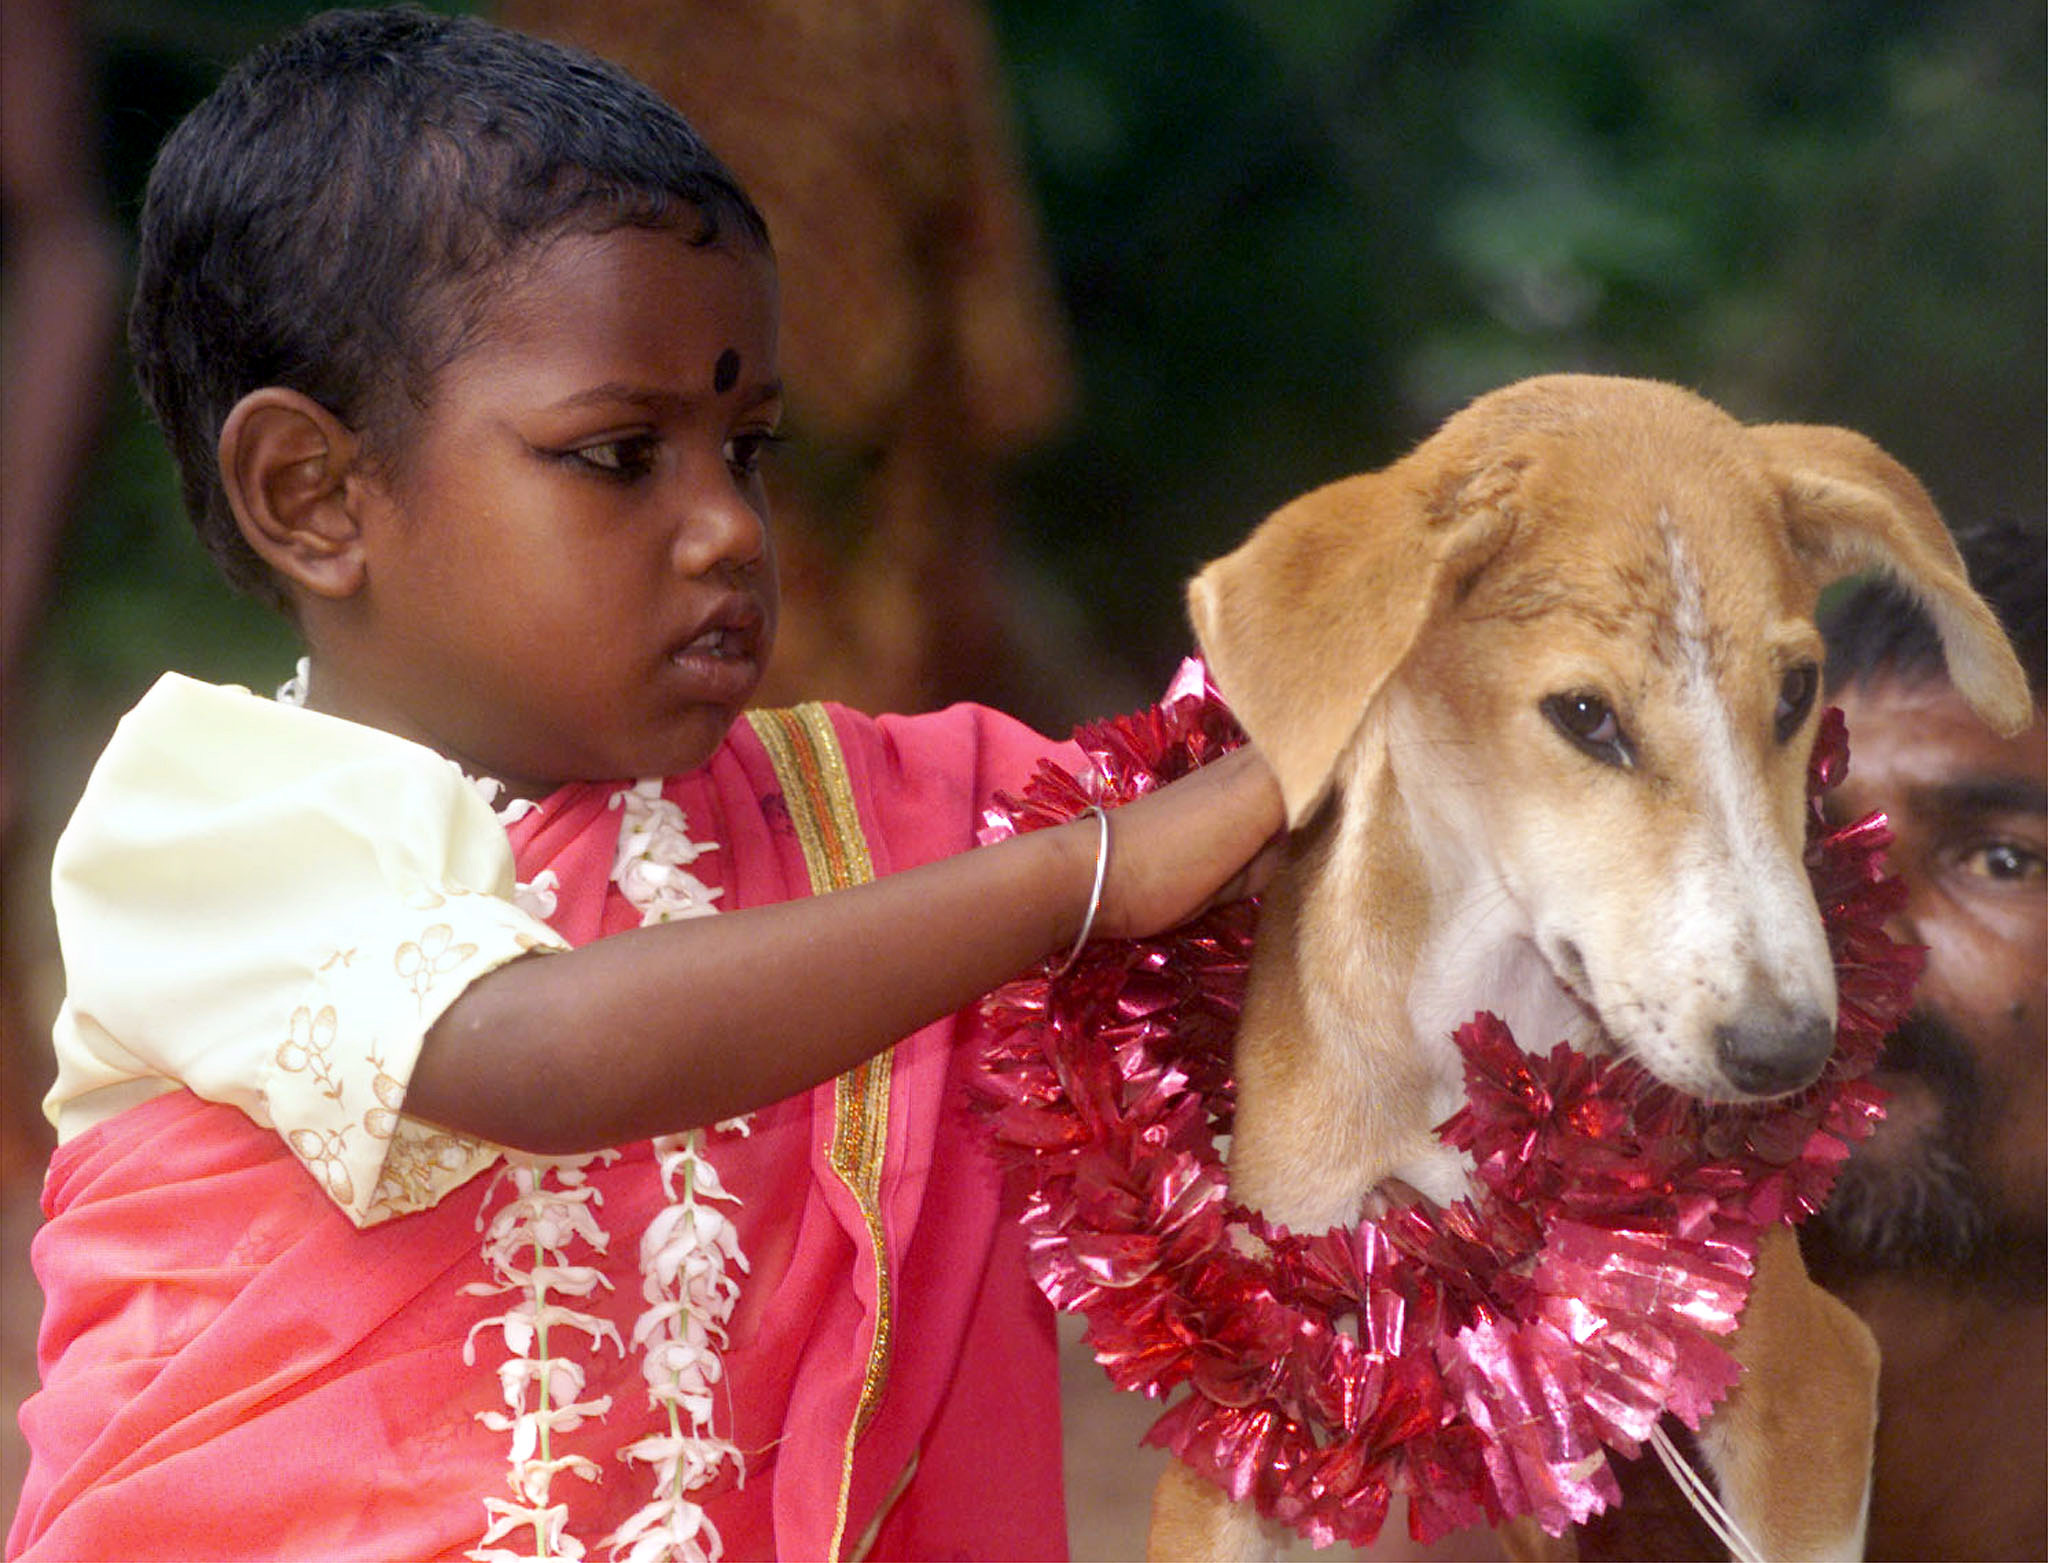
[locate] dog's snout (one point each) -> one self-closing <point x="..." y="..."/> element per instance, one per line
<point x="1771" y="1054"/>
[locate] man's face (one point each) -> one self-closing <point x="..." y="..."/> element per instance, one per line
<point x="1963" y="1153"/>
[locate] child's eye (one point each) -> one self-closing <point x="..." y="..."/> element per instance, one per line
<point x="744" y="453"/>
<point x="630" y="457"/>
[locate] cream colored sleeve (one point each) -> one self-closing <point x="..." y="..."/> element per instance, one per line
<point x="271" y="907"/>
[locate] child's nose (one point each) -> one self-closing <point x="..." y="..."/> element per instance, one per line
<point x="720" y="526"/>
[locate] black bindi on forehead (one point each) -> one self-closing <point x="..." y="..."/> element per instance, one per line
<point x="725" y="374"/>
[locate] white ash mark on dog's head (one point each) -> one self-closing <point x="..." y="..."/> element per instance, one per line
<point x="1743" y="918"/>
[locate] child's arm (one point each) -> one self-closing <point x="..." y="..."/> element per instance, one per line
<point x="666" y="1028"/>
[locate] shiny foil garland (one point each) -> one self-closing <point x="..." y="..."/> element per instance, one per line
<point x="1478" y="1359"/>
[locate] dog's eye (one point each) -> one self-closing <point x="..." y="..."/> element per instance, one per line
<point x="1590" y="723"/>
<point x="1795" y="699"/>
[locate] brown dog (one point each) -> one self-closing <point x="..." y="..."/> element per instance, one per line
<point x="1540" y="697"/>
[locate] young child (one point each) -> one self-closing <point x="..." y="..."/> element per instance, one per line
<point x="401" y="1208"/>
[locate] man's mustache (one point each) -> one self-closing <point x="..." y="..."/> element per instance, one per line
<point x="1928" y="1046"/>
<point x="1919" y="1205"/>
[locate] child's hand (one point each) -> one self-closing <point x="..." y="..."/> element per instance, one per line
<point x="1212" y="836"/>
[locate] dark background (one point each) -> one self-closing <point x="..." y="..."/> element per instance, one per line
<point x="1291" y="238"/>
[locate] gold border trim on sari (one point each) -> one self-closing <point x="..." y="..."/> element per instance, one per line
<point x="808" y="763"/>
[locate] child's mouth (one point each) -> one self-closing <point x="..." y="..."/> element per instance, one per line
<point x="722" y="645"/>
<point x="721" y="663"/>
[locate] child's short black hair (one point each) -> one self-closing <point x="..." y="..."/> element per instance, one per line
<point x="1877" y="630"/>
<point x="331" y="218"/>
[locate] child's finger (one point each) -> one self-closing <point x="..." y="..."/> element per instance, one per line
<point x="1191" y="845"/>
<point x="1256" y="874"/>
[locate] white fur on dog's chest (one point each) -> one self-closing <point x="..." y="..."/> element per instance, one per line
<point x="1473" y="965"/>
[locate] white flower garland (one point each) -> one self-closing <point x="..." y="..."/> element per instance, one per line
<point x="687" y="1255"/>
<point x="527" y="1247"/>
<point x="684" y="1254"/>
<point x="687" y="1249"/>
<point x="540" y="1388"/>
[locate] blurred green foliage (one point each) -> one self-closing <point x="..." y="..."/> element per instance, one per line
<point x="1293" y="236"/>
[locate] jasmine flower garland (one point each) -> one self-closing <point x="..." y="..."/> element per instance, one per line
<point x="688" y="1251"/>
<point x="526" y="1247"/>
<point x="688" y="1254"/>
<point x="684" y="1255"/>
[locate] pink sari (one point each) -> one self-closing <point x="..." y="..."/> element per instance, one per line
<point x="230" y="1369"/>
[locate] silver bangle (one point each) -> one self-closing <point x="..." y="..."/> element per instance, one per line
<point x="1095" y="894"/>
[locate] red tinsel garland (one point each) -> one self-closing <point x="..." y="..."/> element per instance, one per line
<point x="1479" y="1358"/>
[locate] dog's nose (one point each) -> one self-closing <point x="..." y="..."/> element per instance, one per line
<point x="1772" y="1054"/>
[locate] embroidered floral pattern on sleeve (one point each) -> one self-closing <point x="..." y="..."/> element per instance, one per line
<point x="329" y="1090"/>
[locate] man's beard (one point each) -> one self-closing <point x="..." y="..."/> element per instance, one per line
<point x="1917" y="1203"/>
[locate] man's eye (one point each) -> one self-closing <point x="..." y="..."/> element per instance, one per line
<point x="2007" y="863"/>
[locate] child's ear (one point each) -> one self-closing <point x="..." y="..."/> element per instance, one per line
<point x="285" y="462"/>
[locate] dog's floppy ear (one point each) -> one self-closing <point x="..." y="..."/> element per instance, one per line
<point x="1853" y="508"/>
<point x="1305" y="622"/>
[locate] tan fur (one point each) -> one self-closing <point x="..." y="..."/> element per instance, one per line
<point x="1389" y="642"/>
<point x="1807" y="1402"/>
<point x="1192" y="1518"/>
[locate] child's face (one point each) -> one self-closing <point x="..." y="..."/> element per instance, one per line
<point x="568" y="572"/>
